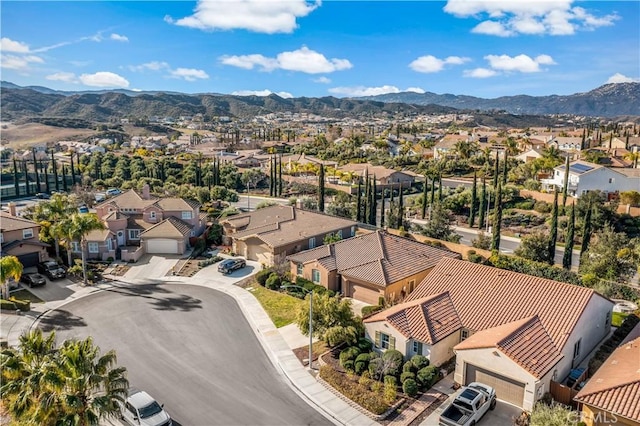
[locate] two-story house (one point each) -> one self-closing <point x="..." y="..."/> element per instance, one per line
<point x="19" y="237"/>
<point x="512" y="331"/>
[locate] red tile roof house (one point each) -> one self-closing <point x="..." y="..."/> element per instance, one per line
<point x="268" y="235"/>
<point x="612" y="394"/>
<point x="139" y="223"/>
<point x="370" y="266"/>
<point x="19" y="237"/>
<point x="512" y="331"/>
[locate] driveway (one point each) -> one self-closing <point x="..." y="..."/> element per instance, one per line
<point x="151" y="267"/>
<point x="191" y="348"/>
<point x="502" y="415"/>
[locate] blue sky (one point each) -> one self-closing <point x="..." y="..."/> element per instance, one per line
<point x="485" y="48"/>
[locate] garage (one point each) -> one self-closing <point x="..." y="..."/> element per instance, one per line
<point x="162" y="246"/>
<point x="364" y="294"/>
<point x="29" y="259"/>
<point x="507" y="389"/>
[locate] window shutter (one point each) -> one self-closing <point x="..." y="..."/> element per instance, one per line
<point x="392" y="342"/>
<point x="419" y="348"/>
<point x="378" y="339"/>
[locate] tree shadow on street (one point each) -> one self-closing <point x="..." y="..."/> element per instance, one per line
<point x="154" y="292"/>
<point x="61" y="320"/>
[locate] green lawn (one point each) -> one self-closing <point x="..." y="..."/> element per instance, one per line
<point x="281" y="307"/>
<point x="26" y="295"/>
<point x="617" y="318"/>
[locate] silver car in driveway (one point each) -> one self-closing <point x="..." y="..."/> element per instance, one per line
<point x="229" y="265"/>
<point x="140" y="409"/>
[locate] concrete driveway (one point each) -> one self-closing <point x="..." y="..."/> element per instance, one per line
<point x="151" y="267"/>
<point x="502" y="415"/>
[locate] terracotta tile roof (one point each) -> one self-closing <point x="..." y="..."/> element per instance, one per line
<point x="282" y="225"/>
<point x="377" y="257"/>
<point x="615" y="387"/>
<point x="524" y="341"/>
<point x="136" y="222"/>
<point x="99" y="235"/>
<point x="15" y="243"/>
<point x="428" y="319"/>
<point x="115" y="215"/>
<point x="174" y="204"/>
<point x="168" y="228"/>
<point x="130" y="199"/>
<point x="361" y="168"/>
<point x="510" y="296"/>
<point x="15" y="223"/>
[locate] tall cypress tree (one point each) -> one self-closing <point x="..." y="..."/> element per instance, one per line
<point x="425" y="193"/>
<point x="553" y="234"/>
<point x="568" y="246"/>
<point x="373" y="211"/>
<point x="382" y="210"/>
<point x="400" y="207"/>
<point x="359" y="200"/>
<point x="483" y="202"/>
<point x="497" y="219"/>
<point x="439" y="187"/>
<point x="321" y="189"/>
<point x="367" y="198"/>
<point x="504" y="169"/>
<point x="565" y="183"/>
<point x="64" y="178"/>
<point x="25" y="170"/>
<point x="54" y="164"/>
<point x="16" y="177"/>
<point x="73" y="172"/>
<point x="496" y="171"/>
<point x="271" y="176"/>
<point x="36" y="169"/>
<point x="433" y="191"/>
<point x="586" y="231"/>
<point x="280" y="178"/>
<point x="474" y="196"/>
<point x="46" y="178"/>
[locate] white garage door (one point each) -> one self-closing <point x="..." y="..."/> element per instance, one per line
<point x="507" y="389"/>
<point x="162" y="246"/>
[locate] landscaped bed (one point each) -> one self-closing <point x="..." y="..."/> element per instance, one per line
<point x="281" y="307"/>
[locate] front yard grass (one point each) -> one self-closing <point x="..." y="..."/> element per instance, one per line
<point x="281" y="307"/>
<point x="25" y="294"/>
<point x="617" y="318"/>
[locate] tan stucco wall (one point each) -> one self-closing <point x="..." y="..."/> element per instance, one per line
<point x="9" y="236"/>
<point x="593" y="416"/>
<point x="442" y="351"/>
<point x="21" y="249"/>
<point x="328" y="279"/>
<point x="393" y="291"/>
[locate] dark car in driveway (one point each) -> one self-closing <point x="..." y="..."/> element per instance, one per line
<point x="33" y="280"/>
<point x="51" y="269"/>
<point x="229" y="265"/>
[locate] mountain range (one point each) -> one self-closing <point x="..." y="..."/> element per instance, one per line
<point x="23" y="103"/>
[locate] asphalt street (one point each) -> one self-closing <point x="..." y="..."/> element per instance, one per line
<point x="191" y="348"/>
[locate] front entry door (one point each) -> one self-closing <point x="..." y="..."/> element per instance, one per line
<point x="120" y="238"/>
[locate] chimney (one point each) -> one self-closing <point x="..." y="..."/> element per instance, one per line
<point x="12" y="209"/>
<point x="145" y="192"/>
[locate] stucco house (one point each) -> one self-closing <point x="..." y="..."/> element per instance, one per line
<point x="385" y="178"/>
<point x="369" y="266"/>
<point x="19" y="237"/>
<point x="268" y="235"/>
<point x="512" y="331"/>
<point x="147" y="224"/>
<point x="585" y="177"/>
<point x="612" y="394"/>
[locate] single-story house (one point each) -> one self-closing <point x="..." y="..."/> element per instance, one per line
<point x="269" y="234"/>
<point x="516" y="332"/>
<point x="585" y="177"/>
<point x="20" y="237"/>
<point x="612" y="394"/>
<point x="384" y="177"/>
<point x="369" y="266"/>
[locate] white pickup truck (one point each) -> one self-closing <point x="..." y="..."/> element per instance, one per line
<point x="468" y="408"/>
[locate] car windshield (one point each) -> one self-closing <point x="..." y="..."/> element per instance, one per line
<point x="150" y="410"/>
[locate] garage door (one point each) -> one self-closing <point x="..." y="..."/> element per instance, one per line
<point x="29" y="259"/>
<point x="259" y="253"/>
<point x="162" y="246"/>
<point x="364" y="294"/>
<point x="507" y="389"/>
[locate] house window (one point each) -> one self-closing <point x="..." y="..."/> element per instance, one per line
<point x="315" y="276"/>
<point x="417" y="348"/>
<point x="576" y="349"/>
<point x="412" y="284"/>
<point x="152" y="215"/>
<point x="27" y="233"/>
<point x="339" y="233"/>
<point x="607" y="320"/>
<point x="1" y="238"/>
<point x="93" y="247"/>
<point x="312" y="242"/>
<point x="75" y="246"/>
<point x="134" y="234"/>
<point x="299" y="269"/>
<point x="353" y="231"/>
<point x="464" y="334"/>
<point x="186" y="215"/>
<point x="109" y="244"/>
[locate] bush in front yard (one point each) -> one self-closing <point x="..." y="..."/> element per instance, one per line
<point x="393" y="362"/>
<point x="7" y="305"/>
<point x="362" y="363"/>
<point x="406" y="376"/>
<point x="262" y="276"/>
<point x="358" y="393"/>
<point x="419" y="361"/>
<point x="375" y="368"/>
<point x="349" y="354"/>
<point x="390" y="380"/>
<point x="273" y="282"/>
<point x="410" y="387"/>
<point x="427" y="376"/>
<point x="349" y="365"/>
<point x="408" y="367"/>
<point x="364" y="344"/>
<point x="390" y="391"/>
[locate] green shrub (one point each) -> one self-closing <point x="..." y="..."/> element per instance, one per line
<point x="420" y="361"/>
<point x="365" y="345"/>
<point x="7" y="305"/>
<point x="407" y="375"/>
<point x="273" y="282"/>
<point x="262" y="276"/>
<point x="542" y="207"/>
<point x="360" y="366"/>
<point x="349" y="365"/>
<point x="199" y="247"/>
<point x="410" y="387"/>
<point x="369" y="310"/>
<point x="408" y="367"/>
<point x="353" y="390"/>
<point x="349" y="354"/>
<point x="393" y="360"/>
<point x="427" y="376"/>
<point x="375" y="368"/>
<point x="390" y="380"/>
<point x="21" y="305"/>
<point x="390" y="391"/>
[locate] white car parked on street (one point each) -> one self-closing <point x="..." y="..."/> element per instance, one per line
<point x="140" y="409"/>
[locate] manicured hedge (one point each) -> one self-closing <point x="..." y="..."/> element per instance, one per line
<point x="352" y="389"/>
<point x="262" y="276"/>
<point x="370" y="310"/>
<point x="410" y="387"/>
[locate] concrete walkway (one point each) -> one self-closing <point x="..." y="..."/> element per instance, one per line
<point x="276" y="347"/>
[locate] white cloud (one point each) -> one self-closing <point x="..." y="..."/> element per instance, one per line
<point x="621" y="78"/>
<point x="520" y="63"/>
<point x="188" y="74"/>
<point x="151" y="66"/>
<point x="118" y="37"/>
<point x="275" y="16"/>
<point x="430" y="64"/>
<point x="8" y="45"/>
<point x="21" y="63"/>
<point x="356" y="91"/>
<point x="510" y="18"/>
<point x="265" y="92"/>
<point x="323" y="80"/>
<point x="104" y="79"/>
<point x="67" y="77"/>
<point x="480" y="73"/>
<point x="302" y="60"/>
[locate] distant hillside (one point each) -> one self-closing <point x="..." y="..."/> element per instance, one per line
<point x="23" y="103"/>
<point x="606" y="101"/>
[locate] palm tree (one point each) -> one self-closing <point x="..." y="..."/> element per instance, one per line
<point x="81" y="225"/>
<point x="465" y="149"/>
<point x="10" y="267"/>
<point x="50" y="214"/>
<point x="634" y="157"/>
<point x="511" y="145"/>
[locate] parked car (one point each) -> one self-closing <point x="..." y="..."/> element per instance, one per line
<point x="113" y="191"/>
<point x="33" y="280"/>
<point x="100" y="196"/>
<point x="51" y="269"/>
<point x="43" y="195"/>
<point x="140" y="409"/>
<point x="468" y="408"/>
<point x="230" y="265"/>
<point x="83" y="209"/>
